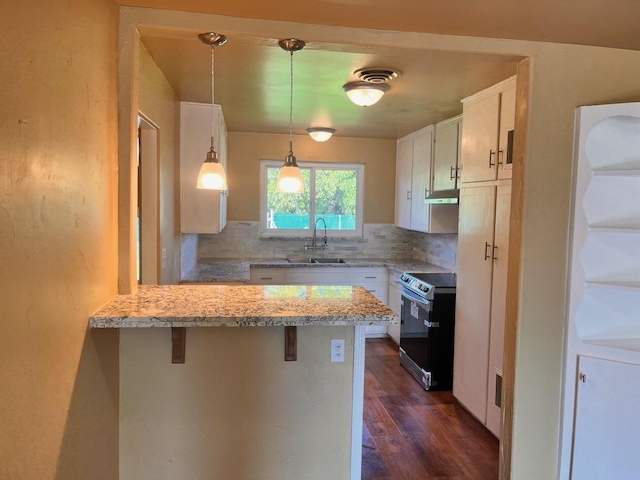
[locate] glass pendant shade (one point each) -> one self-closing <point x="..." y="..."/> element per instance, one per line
<point x="212" y="175"/>
<point x="290" y="178"/>
<point x="321" y="134"/>
<point x="365" y="94"/>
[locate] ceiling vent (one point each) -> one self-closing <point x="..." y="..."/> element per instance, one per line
<point x="376" y="74"/>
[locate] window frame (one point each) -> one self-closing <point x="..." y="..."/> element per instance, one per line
<point x="314" y="166"/>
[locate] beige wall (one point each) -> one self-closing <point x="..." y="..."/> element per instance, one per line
<point x="245" y="150"/>
<point x="235" y="409"/>
<point x="562" y="79"/>
<point x="160" y="104"/>
<point x="58" y="255"/>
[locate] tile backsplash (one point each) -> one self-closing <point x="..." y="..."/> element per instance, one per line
<point x="437" y="248"/>
<point x="380" y="240"/>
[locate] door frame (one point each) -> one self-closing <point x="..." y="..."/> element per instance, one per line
<point x="149" y="155"/>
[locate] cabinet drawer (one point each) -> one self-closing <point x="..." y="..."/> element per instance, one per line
<point x="319" y="276"/>
<point x="373" y="275"/>
<point x="269" y="276"/>
<point x="377" y="289"/>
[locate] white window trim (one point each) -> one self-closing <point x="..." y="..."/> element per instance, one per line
<point x="301" y="233"/>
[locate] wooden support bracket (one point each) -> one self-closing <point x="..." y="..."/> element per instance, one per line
<point x="178" y="344"/>
<point x="290" y="344"/>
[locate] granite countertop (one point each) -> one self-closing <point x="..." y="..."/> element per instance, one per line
<point x="220" y="271"/>
<point x="243" y="306"/>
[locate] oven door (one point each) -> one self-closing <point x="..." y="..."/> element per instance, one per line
<point x="414" y="327"/>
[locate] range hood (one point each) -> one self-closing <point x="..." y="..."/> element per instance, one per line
<point x="443" y="197"/>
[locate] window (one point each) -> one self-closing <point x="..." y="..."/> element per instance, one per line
<point x="332" y="191"/>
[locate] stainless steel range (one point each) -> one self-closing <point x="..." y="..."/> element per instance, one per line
<point x="427" y="327"/>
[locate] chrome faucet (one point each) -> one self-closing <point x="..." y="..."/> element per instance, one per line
<point x="314" y="242"/>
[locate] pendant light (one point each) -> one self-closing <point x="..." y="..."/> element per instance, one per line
<point x="212" y="175"/>
<point x="290" y="178"/>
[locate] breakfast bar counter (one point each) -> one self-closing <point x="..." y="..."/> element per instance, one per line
<point x="243" y="306"/>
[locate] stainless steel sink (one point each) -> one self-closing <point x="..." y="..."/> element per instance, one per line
<point x="317" y="260"/>
<point x="300" y="260"/>
<point x="328" y="260"/>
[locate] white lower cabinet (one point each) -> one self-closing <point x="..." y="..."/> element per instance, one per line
<point x="373" y="279"/>
<point x="395" y="304"/>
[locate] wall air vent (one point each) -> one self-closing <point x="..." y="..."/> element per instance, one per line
<point x="376" y="74"/>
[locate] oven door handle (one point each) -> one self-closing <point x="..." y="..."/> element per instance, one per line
<point x="421" y="301"/>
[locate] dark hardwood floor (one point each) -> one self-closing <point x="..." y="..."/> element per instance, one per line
<point x="412" y="434"/>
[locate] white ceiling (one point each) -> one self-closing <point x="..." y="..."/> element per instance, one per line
<point x="252" y="84"/>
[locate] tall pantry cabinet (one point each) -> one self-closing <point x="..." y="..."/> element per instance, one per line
<point x="483" y="242"/>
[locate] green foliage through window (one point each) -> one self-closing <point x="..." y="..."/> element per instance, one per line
<point x="335" y="200"/>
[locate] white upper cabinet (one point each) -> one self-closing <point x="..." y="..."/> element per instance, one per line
<point x="507" y="125"/>
<point x="404" y="169"/>
<point x="489" y="116"/>
<point x="446" y="159"/>
<point x="201" y="211"/>
<point x="421" y="179"/>
<point x="413" y="184"/>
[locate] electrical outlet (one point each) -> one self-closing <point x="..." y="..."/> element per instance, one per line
<point x="337" y="350"/>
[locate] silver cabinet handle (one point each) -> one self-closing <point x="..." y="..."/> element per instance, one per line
<point x="426" y="193"/>
<point x="458" y="171"/>
<point x="266" y="278"/>
<point x="408" y="194"/>
<point x="370" y="277"/>
<point x="493" y="254"/>
<point x="500" y="155"/>
<point x="486" y="251"/>
<point x="451" y="176"/>
<point x="492" y="154"/>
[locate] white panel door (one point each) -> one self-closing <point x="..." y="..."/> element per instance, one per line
<point x="445" y="159"/>
<point x="507" y="123"/>
<point x="404" y="160"/>
<point x="480" y="139"/>
<point x="500" y="255"/>
<point x="473" y="298"/>
<point x="421" y="179"/>
<point x="607" y="424"/>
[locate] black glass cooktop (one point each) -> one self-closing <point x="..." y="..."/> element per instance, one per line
<point x="436" y="279"/>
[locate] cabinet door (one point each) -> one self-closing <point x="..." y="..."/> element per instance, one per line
<point x="445" y="160"/>
<point x="395" y="304"/>
<point x="607" y="424"/>
<point x="199" y="209"/>
<point x="507" y="124"/>
<point x="404" y="159"/>
<point x="473" y="298"/>
<point x="480" y="139"/>
<point x="500" y="254"/>
<point x="421" y="180"/>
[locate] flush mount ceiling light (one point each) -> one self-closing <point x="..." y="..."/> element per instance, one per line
<point x="371" y="87"/>
<point x="212" y="175"/>
<point x="364" y="94"/>
<point x="290" y="178"/>
<point x="321" y="134"/>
